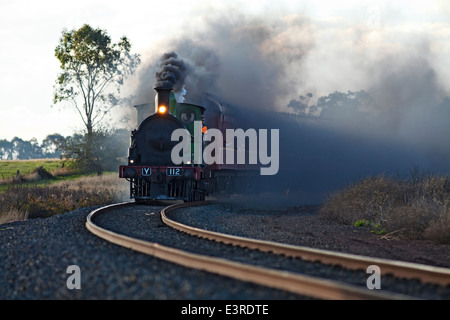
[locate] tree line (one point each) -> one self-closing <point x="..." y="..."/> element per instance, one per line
<point x="19" y="149"/>
<point x="110" y="149"/>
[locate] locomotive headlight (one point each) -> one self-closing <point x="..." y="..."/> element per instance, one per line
<point x="162" y="109"/>
<point x="132" y="155"/>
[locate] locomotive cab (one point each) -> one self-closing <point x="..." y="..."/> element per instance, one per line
<point x="188" y="114"/>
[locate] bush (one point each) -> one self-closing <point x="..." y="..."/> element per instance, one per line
<point x="102" y="151"/>
<point x="415" y="208"/>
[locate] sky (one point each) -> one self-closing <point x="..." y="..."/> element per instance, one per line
<point x="328" y="45"/>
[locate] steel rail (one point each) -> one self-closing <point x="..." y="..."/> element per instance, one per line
<point x="299" y="284"/>
<point x="424" y="273"/>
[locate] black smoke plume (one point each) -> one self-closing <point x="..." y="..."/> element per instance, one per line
<point x="172" y="72"/>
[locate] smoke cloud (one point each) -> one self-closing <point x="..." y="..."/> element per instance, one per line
<point x="349" y="100"/>
<point x="172" y="73"/>
<point x="247" y="59"/>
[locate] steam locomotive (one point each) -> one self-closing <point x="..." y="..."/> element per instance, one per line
<point x="151" y="170"/>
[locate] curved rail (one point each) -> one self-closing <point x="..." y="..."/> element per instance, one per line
<point x="408" y="270"/>
<point x="299" y="284"/>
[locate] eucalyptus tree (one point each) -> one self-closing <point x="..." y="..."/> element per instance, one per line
<point x="93" y="69"/>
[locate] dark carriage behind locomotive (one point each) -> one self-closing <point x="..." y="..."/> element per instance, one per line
<point x="150" y="170"/>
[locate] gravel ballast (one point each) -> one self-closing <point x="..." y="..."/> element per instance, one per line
<point x="36" y="255"/>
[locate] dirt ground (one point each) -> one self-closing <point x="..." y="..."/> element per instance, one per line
<point x="304" y="227"/>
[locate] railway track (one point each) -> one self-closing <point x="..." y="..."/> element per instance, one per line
<point x="301" y="284"/>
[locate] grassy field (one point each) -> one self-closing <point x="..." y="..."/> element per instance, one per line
<point x="9" y="168"/>
<point x="35" y="172"/>
<point x="53" y="189"/>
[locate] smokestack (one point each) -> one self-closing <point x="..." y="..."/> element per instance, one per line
<point x="162" y="97"/>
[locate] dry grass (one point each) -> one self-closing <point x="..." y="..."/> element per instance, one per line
<point x="21" y="202"/>
<point x="417" y="208"/>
